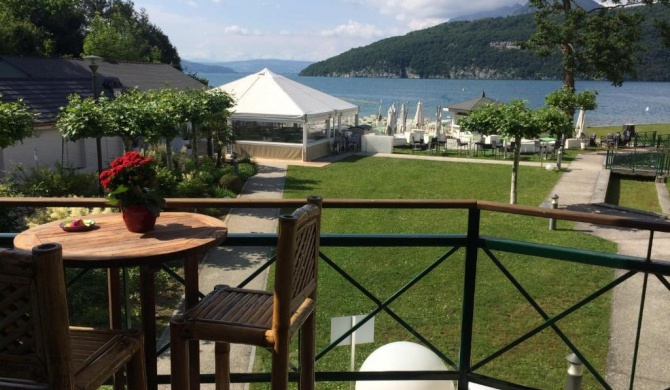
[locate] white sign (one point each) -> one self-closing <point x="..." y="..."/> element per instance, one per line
<point x="364" y="334"/>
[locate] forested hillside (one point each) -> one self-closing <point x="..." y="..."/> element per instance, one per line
<point x="482" y="49"/>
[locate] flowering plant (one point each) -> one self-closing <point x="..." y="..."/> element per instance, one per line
<point x="131" y="180"/>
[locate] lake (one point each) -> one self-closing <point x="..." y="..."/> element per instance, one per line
<point x="634" y="102"/>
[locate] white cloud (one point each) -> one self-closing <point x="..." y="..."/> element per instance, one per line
<point x="353" y="29"/>
<point x="418" y="14"/>
<point x="238" y="30"/>
<point x="224" y="30"/>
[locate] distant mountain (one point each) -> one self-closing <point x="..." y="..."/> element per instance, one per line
<point x="247" y="66"/>
<point x="516" y="9"/>
<point x="482" y="49"/>
<point x="277" y="66"/>
<point x="196" y="67"/>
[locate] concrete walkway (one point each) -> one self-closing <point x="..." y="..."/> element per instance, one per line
<point x="231" y="265"/>
<point x="583" y="187"/>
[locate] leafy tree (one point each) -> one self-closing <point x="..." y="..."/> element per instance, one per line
<point x="199" y="106"/>
<point x="19" y="37"/>
<point x="85" y="118"/>
<point x="118" y="39"/>
<point x="567" y="101"/>
<point x="168" y="120"/>
<point x="515" y="121"/>
<point x="58" y="24"/>
<point x="158" y="41"/>
<point x="603" y="42"/>
<point x="16" y="122"/>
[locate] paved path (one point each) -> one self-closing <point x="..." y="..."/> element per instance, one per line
<point x="231" y="265"/>
<point x="583" y="187"/>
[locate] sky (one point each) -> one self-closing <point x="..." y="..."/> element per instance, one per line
<point x="306" y="30"/>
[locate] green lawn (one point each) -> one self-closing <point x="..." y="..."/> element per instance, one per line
<point x="433" y="306"/>
<point x="633" y="192"/>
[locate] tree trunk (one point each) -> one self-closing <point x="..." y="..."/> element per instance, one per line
<point x="515" y="170"/>
<point x="194" y="144"/>
<point x="127" y="143"/>
<point x="560" y="151"/>
<point x="168" y="153"/>
<point x="210" y="147"/>
<point x="219" y="155"/>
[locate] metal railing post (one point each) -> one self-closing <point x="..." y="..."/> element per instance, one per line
<point x="469" y="283"/>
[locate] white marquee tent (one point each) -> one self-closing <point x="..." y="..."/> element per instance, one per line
<point x="266" y="97"/>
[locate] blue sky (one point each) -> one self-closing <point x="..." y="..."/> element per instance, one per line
<point x="309" y="30"/>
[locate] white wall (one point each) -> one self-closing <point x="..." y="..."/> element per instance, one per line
<point x="50" y="148"/>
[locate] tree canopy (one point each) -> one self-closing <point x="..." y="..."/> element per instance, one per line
<point x="600" y="43"/>
<point x="16" y="123"/>
<point x="513" y="121"/>
<point x="112" y="29"/>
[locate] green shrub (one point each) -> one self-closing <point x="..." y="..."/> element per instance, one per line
<point x="12" y="219"/>
<point x="167" y="182"/>
<point x="192" y="187"/>
<point x="246" y="170"/>
<point x="220" y="193"/>
<point x="231" y="182"/>
<point x="57" y="182"/>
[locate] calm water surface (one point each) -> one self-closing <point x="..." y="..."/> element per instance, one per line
<point x="634" y="102"/>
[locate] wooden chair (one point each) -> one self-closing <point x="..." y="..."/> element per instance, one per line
<point x="262" y="318"/>
<point x="38" y="349"/>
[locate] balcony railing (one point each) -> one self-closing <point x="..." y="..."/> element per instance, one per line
<point x="468" y="246"/>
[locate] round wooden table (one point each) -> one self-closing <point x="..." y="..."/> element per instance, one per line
<point x="177" y="236"/>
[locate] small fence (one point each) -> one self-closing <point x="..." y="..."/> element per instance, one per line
<point x="645" y="139"/>
<point x="644" y="163"/>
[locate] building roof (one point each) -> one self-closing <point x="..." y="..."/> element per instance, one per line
<point x="45" y="83"/>
<point x="267" y="96"/>
<point x="469" y="105"/>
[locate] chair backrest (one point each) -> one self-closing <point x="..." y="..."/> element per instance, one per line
<point x="297" y="260"/>
<point x="34" y="324"/>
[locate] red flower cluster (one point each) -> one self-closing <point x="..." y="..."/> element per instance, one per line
<point x="132" y="170"/>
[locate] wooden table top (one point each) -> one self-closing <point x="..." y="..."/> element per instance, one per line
<point x="110" y="244"/>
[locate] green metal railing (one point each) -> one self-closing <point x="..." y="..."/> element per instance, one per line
<point x="642" y="162"/>
<point x="644" y="139"/>
<point x="469" y="246"/>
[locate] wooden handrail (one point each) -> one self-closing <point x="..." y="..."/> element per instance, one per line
<point x="531" y="211"/>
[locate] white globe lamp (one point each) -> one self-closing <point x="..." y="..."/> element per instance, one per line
<point x="403" y="356"/>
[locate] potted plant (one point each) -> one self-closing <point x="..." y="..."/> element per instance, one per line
<point x="132" y="182"/>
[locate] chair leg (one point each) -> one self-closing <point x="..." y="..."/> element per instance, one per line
<point x="280" y="363"/>
<point x="137" y="376"/>
<point x="179" y="367"/>
<point x="308" y="353"/>
<point x="222" y="366"/>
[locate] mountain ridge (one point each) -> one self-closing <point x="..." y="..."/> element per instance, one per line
<point x="482" y="49"/>
<point x="246" y="66"/>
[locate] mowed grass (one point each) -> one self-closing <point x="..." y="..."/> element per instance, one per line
<point x="433" y="306"/>
<point x="633" y="192"/>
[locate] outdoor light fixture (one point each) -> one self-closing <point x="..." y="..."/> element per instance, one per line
<point x="93" y="62"/>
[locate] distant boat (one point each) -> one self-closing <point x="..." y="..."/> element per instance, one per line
<point x="647" y="109"/>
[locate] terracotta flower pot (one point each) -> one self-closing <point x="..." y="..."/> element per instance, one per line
<point x="138" y="218"/>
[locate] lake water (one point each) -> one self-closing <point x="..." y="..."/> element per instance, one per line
<point x="634" y="102"/>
